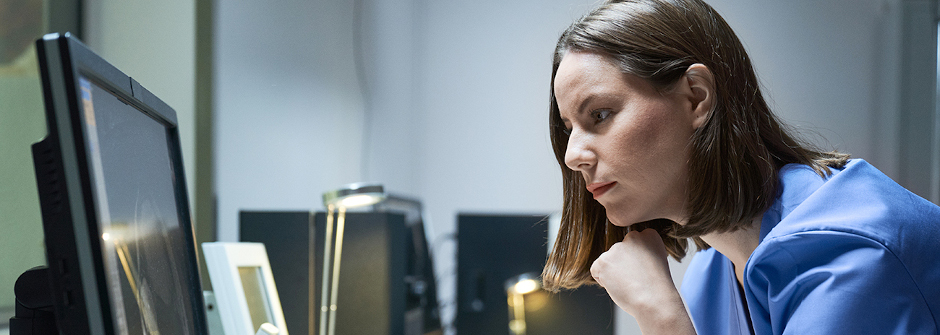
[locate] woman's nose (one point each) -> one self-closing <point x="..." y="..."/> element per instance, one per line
<point x="579" y="155"/>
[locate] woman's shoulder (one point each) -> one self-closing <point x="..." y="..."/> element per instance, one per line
<point x="822" y="281"/>
<point x="856" y="227"/>
<point x="855" y="211"/>
<point x="858" y="201"/>
<point x="811" y="276"/>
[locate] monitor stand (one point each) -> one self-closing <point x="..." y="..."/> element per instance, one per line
<point x="35" y="313"/>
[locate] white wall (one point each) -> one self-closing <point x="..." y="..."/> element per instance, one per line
<point x="482" y="85"/>
<point x="288" y="108"/>
<point x="456" y="96"/>
<point x="828" y="67"/>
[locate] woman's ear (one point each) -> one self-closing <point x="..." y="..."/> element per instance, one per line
<point x="701" y="81"/>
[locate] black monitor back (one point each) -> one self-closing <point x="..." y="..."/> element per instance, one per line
<point x="491" y="249"/>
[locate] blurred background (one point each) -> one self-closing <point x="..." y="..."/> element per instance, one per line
<point x="443" y="101"/>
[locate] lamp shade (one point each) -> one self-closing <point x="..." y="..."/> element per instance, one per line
<point x="355" y="195"/>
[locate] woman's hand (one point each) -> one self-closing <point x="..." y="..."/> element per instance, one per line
<point x="636" y="275"/>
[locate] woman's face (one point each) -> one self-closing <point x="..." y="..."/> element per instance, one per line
<point x="629" y="141"/>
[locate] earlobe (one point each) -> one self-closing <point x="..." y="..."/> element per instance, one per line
<point x="701" y="81"/>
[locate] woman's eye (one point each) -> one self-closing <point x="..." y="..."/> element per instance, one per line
<point x="600" y="115"/>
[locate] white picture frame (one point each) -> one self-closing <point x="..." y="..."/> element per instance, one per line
<point x="235" y="269"/>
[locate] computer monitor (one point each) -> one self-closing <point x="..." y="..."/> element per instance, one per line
<point x="119" y="240"/>
<point x="244" y="287"/>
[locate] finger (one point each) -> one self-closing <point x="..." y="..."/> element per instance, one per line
<point x="644" y="234"/>
<point x="636" y="233"/>
<point x="596" y="269"/>
<point x="650" y="232"/>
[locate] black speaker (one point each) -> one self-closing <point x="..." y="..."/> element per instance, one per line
<point x="494" y="248"/>
<point x="285" y="238"/>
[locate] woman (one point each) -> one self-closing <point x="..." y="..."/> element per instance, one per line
<point x="657" y="121"/>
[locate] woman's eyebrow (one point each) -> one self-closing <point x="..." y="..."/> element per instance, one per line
<point x="585" y="103"/>
<point x="591" y="97"/>
<point x="580" y="110"/>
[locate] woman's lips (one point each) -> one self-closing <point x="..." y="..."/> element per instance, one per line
<point x="599" y="189"/>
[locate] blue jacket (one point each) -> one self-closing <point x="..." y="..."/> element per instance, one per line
<point x="854" y="253"/>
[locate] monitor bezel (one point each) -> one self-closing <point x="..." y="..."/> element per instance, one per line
<point x="223" y="260"/>
<point x="73" y="249"/>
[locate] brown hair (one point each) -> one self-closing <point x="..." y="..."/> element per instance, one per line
<point x="735" y="155"/>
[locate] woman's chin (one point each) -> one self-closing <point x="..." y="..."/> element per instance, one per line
<point x="629" y="220"/>
<point x="620" y="222"/>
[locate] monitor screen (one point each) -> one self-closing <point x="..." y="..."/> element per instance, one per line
<point x="119" y="241"/>
<point x="138" y="217"/>
<point x="259" y="307"/>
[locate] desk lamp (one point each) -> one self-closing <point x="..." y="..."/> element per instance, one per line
<point x="516" y="288"/>
<point x="349" y="196"/>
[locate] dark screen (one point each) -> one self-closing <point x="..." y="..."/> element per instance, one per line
<point x="145" y="259"/>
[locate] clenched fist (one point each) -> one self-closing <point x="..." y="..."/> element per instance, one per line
<point x="636" y="275"/>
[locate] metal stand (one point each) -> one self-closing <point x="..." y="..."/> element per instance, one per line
<point x="328" y="310"/>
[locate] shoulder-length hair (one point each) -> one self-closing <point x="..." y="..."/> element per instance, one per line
<point x="734" y="156"/>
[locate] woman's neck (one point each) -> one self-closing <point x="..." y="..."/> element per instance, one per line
<point x="737" y="245"/>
